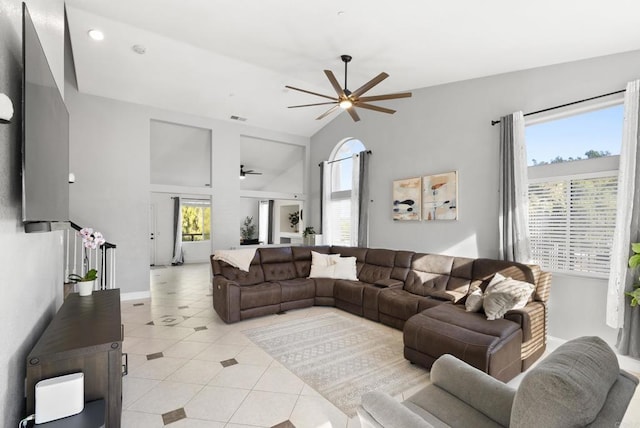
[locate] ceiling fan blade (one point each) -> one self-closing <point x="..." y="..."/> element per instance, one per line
<point x="312" y="93"/>
<point x="334" y="83"/>
<point x="353" y="114"/>
<point x="370" y="84"/>
<point x="310" y="105"/>
<point x="328" y="112"/>
<point x="385" y="97"/>
<point x="376" y="108"/>
<point x="253" y="173"/>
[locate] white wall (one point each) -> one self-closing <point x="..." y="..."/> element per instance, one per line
<point x="31" y="274"/>
<point x="447" y="128"/>
<point x="180" y="155"/>
<point x="112" y="193"/>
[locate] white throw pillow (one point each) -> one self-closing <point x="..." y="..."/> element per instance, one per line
<point x="320" y="259"/>
<point x="502" y="296"/>
<point x="474" y="301"/>
<point x="322" y="264"/>
<point x="345" y="269"/>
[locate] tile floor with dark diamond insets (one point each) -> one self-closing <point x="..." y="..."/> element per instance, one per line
<point x="183" y="376"/>
<point x="187" y="368"/>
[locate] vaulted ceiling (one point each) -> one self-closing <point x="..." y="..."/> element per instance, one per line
<point x="219" y="58"/>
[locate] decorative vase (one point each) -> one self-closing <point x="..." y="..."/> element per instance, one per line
<point x="85" y="288"/>
<point x="310" y="240"/>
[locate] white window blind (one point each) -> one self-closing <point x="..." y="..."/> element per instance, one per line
<point x="571" y="222"/>
<point x="340" y="221"/>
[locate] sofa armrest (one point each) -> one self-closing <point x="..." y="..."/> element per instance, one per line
<point x="379" y="409"/>
<point x="226" y="299"/>
<point x="389" y="283"/>
<point x="531" y="319"/>
<point x="474" y="387"/>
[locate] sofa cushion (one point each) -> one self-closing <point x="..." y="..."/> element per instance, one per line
<point x="399" y="303"/>
<point x="568" y="388"/>
<point x="349" y="291"/>
<point x="297" y="289"/>
<point x="504" y="294"/>
<point x="443" y="277"/>
<point x="378" y="265"/>
<point x="254" y="296"/>
<point x="456" y="315"/>
<point x="401" y="265"/>
<point x="254" y="276"/>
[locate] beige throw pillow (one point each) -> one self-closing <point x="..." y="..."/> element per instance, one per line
<point x="322" y="264"/>
<point x="345" y="268"/>
<point x="504" y="294"/>
<point x="474" y="301"/>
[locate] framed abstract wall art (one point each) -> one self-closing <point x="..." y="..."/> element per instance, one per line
<point x="406" y="199"/>
<point x="440" y="196"/>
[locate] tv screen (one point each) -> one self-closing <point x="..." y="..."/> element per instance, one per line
<point x="45" y="135"/>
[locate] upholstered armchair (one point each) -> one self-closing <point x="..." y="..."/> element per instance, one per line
<point x="579" y="384"/>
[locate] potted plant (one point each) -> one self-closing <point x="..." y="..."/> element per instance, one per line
<point x="90" y="240"/>
<point x="247" y="231"/>
<point x="309" y="235"/>
<point x="634" y="262"/>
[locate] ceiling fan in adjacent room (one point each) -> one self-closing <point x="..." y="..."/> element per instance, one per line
<point x="348" y="100"/>
<point x="244" y="173"/>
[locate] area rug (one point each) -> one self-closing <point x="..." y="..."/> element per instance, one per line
<point x="340" y="358"/>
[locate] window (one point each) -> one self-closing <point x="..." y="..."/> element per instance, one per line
<point x="196" y="220"/>
<point x="340" y="206"/>
<point x="573" y="181"/>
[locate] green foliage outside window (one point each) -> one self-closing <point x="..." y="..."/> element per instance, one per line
<point x="196" y="223"/>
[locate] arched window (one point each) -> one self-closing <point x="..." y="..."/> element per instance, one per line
<point x="341" y="217"/>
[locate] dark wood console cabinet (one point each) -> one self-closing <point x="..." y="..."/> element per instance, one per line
<point x="84" y="336"/>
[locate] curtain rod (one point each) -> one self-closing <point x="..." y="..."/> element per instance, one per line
<point x="339" y="160"/>
<point x="495" y="122"/>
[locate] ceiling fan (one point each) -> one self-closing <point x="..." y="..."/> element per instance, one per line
<point x="244" y="173"/>
<point x="348" y="100"/>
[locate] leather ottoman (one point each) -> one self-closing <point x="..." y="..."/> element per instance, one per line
<point x="490" y="346"/>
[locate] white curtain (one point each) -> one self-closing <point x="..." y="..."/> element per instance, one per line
<point x="178" y="257"/>
<point x="363" y="198"/>
<point x="514" y="206"/>
<point x="620" y="277"/>
<point x="355" y="197"/>
<point x="325" y="177"/>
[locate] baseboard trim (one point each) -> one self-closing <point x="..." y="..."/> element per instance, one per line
<point x="135" y="295"/>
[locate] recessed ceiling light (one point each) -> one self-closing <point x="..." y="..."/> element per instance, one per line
<point x="340" y="12"/>
<point x="139" y="49"/>
<point x="96" y="34"/>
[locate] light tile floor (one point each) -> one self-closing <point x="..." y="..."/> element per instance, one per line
<point x="187" y="368"/>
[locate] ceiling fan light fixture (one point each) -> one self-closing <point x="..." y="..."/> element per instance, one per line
<point x="348" y="100"/>
<point x="242" y="175"/>
<point x="345" y="104"/>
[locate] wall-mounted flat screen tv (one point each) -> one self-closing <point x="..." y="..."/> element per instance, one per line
<point x="45" y="137"/>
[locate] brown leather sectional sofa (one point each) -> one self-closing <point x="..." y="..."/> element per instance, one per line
<point x="421" y="294"/>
